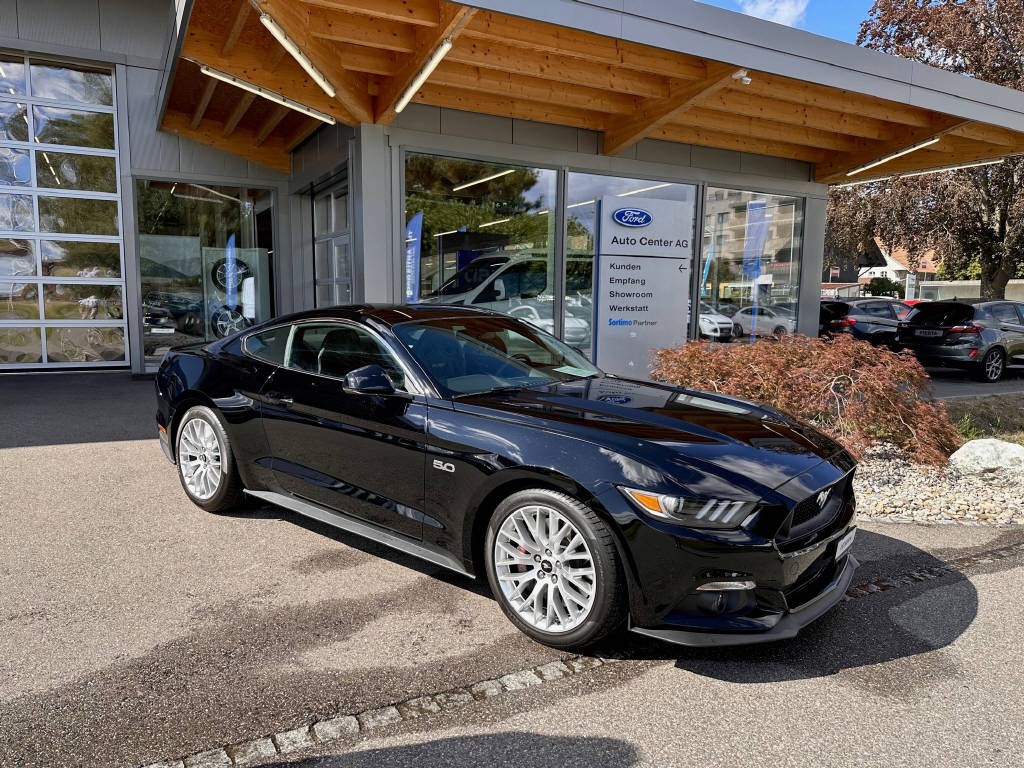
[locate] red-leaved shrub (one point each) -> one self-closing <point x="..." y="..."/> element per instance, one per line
<point x="857" y="393"/>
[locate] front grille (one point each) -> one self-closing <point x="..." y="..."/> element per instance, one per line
<point x="809" y="521"/>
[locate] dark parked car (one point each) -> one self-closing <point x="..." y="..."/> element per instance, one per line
<point x="482" y="444"/>
<point x="873" y="319"/>
<point x="983" y="337"/>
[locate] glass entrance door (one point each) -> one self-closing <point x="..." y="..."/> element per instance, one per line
<point x="333" y="254"/>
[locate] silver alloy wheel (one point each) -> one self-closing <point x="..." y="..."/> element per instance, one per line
<point x="199" y="457"/>
<point x="994" y="365"/>
<point x="545" y="568"/>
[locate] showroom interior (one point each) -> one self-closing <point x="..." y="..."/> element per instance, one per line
<point x="176" y="172"/>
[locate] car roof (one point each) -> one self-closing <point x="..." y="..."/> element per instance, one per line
<point x="390" y="314"/>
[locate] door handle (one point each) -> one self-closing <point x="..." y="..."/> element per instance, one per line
<point x="277" y="398"/>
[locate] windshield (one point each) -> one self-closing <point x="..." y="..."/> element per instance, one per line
<point x="472" y="275"/>
<point x="474" y="354"/>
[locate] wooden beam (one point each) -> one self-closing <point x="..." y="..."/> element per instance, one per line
<point x="271" y="154"/>
<point x="252" y="65"/>
<point x="989" y="134"/>
<point x="493" y="104"/>
<point x="758" y="128"/>
<point x="839" y="167"/>
<point x="419" y="12"/>
<point x="372" y="61"/>
<point x="453" y="20"/>
<point x="564" y="69"/>
<point x="361" y="30"/>
<point x="710" y="137"/>
<point x="352" y="89"/>
<point x="625" y="131"/>
<point x="244" y="102"/>
<point x="236" y="29"/>
<point x="533" y="88"/>
<point x="305" y="129"/>
<point x="204" y="102"/>
<point x="271" y="123"/>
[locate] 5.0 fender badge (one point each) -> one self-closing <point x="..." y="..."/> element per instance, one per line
<point x="444" y="466"/>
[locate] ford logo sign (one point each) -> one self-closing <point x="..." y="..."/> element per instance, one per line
<point x="632" y="217"/>
<point x="615" y="399"/>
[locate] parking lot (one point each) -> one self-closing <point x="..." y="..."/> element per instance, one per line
<point x="138" y="629"/>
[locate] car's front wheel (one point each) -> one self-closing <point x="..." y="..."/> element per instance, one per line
<point x="206" y="465"/>
<point x="993" y="365"/>
<point x="553" y="566"/>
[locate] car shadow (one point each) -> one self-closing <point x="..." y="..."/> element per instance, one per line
<point x="912" y="619"/>
<point x="515" y="749"/>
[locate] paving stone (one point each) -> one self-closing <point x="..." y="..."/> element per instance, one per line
<point x="378" y="718"/>
<point x="452" y="699"/>
<point x="167" y="764"/>
<point x="583" y="663"/>
<point x="336" y="728"/>
<point x="424" y="705"/>
<point x="486" y="689"/>
<point x="249" y="752"/>
<point x="293" y="740"/>
<point x="213" y="758"/>
<point x="519" y="680"/>
<point x="552" y="671"/>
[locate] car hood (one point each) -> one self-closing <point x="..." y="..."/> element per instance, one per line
<point x="671" y="429"/>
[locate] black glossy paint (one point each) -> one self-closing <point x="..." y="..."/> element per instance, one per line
<point x="432" y="468"/>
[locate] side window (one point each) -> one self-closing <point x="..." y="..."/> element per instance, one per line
<point x="268" y="345"/>
<point x="1004" y="313"/>
<point x="335" y="349"/>
<point x="875" y="309"/>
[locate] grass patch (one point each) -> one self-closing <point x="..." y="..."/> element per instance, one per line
<point x="998" y="416"/>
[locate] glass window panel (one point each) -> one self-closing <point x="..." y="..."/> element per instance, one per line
<point x="60" y="170"/>
<point x="324" y="295"/>
<point x="16" y="213"/>
<point x="74" y="127"/>
<point x="750" y="259"/>
<point x="81" y="344"/>
<point x="70" y="83"/>
<point x="77" y="216"/>
<point x="322" y="215"/>
<point x="75" y="301"/>
<point x="15" y="167"/>
<point x="340" y="213"/>
<point x="17" y="258"/>
<point x="13" y="121"/>
<point x="20" y="345"/>
<point x="342" y="262"/>
<point x="12" y="76"/>
<point x="322" y="256"/>
<point x="19" y="301"/>
<point x="69" y="258"/>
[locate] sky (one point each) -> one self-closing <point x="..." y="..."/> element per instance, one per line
<point x="838" y="19"/>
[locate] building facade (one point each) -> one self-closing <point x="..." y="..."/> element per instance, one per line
<point x="174" y="172"/>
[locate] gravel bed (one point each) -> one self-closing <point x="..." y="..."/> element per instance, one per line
<point x="889" y="487"/>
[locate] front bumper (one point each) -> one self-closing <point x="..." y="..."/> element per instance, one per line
<point x="787" y="625"/>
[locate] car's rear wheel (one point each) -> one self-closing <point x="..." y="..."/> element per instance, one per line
<point x="553" y="566"/>
<point x="206" y="464"/>
<point x="780" y="330"/>
<point x="737" y="330"/>
<point x="993" y="365"/>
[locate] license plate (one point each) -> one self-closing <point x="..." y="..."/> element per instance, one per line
<point x="928" y="333"/>
<point x="162" y="330"/>
<point x="844" y="544"/>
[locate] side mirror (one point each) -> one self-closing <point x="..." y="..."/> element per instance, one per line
<point x="369" y="380"/>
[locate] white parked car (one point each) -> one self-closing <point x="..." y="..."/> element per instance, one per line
<point x="713" y="325"/>
<point x="762" y="321"/>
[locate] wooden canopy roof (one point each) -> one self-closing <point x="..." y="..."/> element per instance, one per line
<point x="371" y="51"/>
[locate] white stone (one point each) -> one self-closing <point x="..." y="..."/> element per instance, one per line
<point x="293" y="740"/>
<point x="978" y="456"/>
<point x="336" y="728"/>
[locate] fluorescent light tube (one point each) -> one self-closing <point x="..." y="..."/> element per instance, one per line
<point x="297" y="53"/>
<point x="952" y="168"/>
<point x="435" y="58"/>
<point x="266" y="94"/>
<point x="492" y="223"/>
<point x="492" y="177"/>
<point x="894" y="155"/>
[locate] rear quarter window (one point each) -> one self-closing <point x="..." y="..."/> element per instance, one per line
<point x="268" y="345"/>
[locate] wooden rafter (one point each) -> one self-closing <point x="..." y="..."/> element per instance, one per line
<point x="837" y="168"/>
<point x="409" y="11"/>
<point x="352" y="90"/>
<point x="202" y="47"/>
<point x="271" y="154"/>
<point x="768" y="129"/>
<point x="271" y="123"/>
<point x="244" y="102"/>
<point x="710" y="137"/>
<point x="542" y="112"/>
<point x="343" y="27"/>
<point x="453" y="19"/>
<point x="241" y="17"/>
<point x="203" y="103"/>
<point x="625" y="131"/>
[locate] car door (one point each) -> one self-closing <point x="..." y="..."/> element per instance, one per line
<point x="360" y="454"/>
<point x="1011" y="329"/>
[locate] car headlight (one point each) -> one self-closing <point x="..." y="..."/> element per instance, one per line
<point x="697" y="513"/>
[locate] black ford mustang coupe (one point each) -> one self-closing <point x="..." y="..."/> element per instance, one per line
<point x="484" y="445"/>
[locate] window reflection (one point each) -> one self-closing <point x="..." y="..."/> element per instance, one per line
<point x="81" y="344"/>
<point x="75" y="301"/>
<point x="20" y="345"/>
<point x="12" y="76"/>
<point x="16" y="213"/>
<point x="74" y="127"/>
<point x="18" y="301"/>
<point x="81" y="85"/>
<point x="79" y="216"/>
<point x="13" y="121"/>
<point x="15" y="167"/>
<point x="68" y="258"/>
<point x="62" y="170"/>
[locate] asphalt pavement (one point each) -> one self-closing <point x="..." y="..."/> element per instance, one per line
<point x="138" y="629"/>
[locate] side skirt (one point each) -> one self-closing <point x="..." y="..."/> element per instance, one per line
<point x="362" y="528"/>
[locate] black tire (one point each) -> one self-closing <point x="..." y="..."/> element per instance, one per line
<point x="737" y="330"/>
<point x="227" y="492"/>
<point x="992" y="366"/>
<point x="608" y="609"/>
<point x="779" y="331"/>
<point x="218" y="273"/>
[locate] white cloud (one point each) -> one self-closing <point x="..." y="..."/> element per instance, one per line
<point x="788" y="12"/>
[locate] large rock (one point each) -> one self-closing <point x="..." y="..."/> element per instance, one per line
<point x="979" y="456"/>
